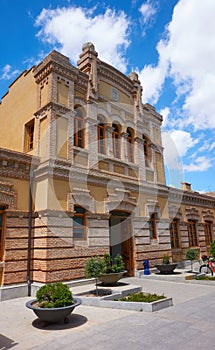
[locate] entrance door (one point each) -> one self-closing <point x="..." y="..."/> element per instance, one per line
<point x="121" y="241"/>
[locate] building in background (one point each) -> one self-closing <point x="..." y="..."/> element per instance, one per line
<point x="82" y="174"/>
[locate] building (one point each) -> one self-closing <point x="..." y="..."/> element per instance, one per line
<point x="82" y="174"/>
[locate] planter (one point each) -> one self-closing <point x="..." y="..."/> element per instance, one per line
<point x="110" y="279"/>
<point x="166" y="269"/>
<point x="53" y="315"/>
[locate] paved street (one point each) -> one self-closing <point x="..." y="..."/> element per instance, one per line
<point x="189" y="324"/>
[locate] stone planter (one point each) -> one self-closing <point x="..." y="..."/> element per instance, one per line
<point x="166" y="269"/>
<point x="110" y="279"/>
<point x="53" y="315"/>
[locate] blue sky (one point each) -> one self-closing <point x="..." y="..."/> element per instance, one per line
<point x="169" y="43"/>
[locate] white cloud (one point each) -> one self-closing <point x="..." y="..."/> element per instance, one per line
<point x="183" y="141"/>
<point x="187" y="54"/>
<point x="7" y="73"/>
<point x="148" y="10"/>
<point x="165" y="112"/>
<point x="69" y="28"/>
<point x="200" y="164"/>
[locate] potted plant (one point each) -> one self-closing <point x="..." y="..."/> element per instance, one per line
<point x="113" y="270"/>
<point x="105" y="269"/>
<point x="166" y="268"/>
<point x="53" y="303"/>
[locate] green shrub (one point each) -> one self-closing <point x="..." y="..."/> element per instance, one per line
<point x="192" y="254"/>
<point x="113" y="265"/>
<point x="166" y="259"/>
<point x="142" y="297"/>
<point x="54" y="295"/>
<point x="94" y="268"/>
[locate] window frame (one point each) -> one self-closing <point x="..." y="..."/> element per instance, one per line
<point x="29" y="135"/>
<point x="83" y="226"/>
<point x="208" y="234"/>
<point x="192" y="233"/>
<point x="146" y="150"/>
<point x="79" y="128"/>
<point x="116" y="141"/>
<point x="130" y="144"/>
<point x="101" y="138"/>
<point x="152" y="226"/>
<point x="175" y="234"/>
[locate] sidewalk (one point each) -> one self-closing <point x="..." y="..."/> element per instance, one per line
<point x="191" y="321"/>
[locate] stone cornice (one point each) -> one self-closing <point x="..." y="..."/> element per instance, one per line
<point x="55" y="107"/>
<point x="191" y="198"/>
<point x="16" y="164"/>
<point x="59" y="64"/>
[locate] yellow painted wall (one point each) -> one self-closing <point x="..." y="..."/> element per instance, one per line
<point x="43" y="138"/>
<point x="62" y="137"/>
<point x="16" y="109"/>
<point x="21" y="187"/>
<point x="44" y="93"/>
<point x="105" y="89"/>
<point x="62" y="92"/>
<point x="159" y="167"/>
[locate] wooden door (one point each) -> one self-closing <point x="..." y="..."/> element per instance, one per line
<point x="121" y="240"/>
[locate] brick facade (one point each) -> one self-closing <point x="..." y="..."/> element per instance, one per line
<point x="118" y="194"/>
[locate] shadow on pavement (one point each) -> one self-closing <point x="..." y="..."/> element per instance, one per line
<point x="6" y="343"/>
<point x="73" y="321"/>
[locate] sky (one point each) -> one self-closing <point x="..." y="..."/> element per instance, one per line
<point x="169" y="43"/>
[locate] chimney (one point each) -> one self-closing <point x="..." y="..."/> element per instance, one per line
<point x="186" y="186"/>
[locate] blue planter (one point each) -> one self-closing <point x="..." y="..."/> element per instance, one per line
<point x="52" y="315"/>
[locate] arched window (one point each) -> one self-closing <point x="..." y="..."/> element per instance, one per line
<point x="79" y="128"/>
<point x="130" y="142"/>
<point x="146" y="150"/>
<point x="101" y="137"/>
<point x="116" y="140"/>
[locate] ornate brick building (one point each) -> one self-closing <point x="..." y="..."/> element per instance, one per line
<point x="82" y="173"/>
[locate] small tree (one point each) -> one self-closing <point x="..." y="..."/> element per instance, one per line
<point x="192" y="254"/>
<point x="212" y="249"/>
<point x="94" y="268"/>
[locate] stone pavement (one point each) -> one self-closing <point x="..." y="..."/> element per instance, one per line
<point x="189" y="324"/>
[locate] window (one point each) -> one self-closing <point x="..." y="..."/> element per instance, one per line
<point x="192" y="234"/>
<point x="152" y="226"/>
<point x="130" y="141"/>
<point x="146" y="150"/>
<point x="174" y="232"/>
<point x="79" y="223"/>
<point x="79" y="128"/>
<point x="1" y="231"/>
<point x="29" y="132"/>
<point x="116" y="141"/>
<point x="208" y="233"/>
<point x="101" y="138"/>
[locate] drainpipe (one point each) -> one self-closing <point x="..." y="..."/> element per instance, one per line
<point x="29" y="232"/>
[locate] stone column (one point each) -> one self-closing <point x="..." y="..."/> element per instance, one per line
<point x="124" y="147"/>
<point x="91" y="136"/>
<point x="139" y="157"/>
<point x="109" y="141"/>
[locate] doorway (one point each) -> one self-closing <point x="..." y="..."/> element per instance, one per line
<point x="121" y="241"/>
